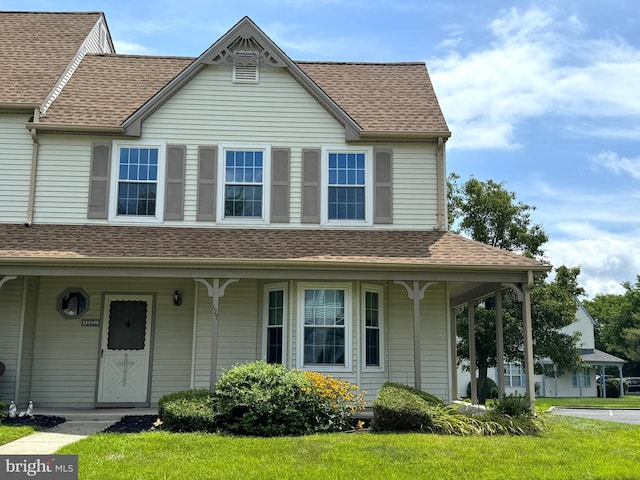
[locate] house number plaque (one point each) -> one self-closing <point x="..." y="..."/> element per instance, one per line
<point x="90" y="323"/>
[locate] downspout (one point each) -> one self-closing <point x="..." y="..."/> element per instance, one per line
<point x="34" y="167"/>
<point x="441" y="211"/>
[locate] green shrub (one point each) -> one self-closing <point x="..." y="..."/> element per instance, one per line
<point x="188" y="411"/>
<point x="399" y="409"/>
<point x="490" y="389"/>
<point x="266" y="400"/>
<point x="613" y="387"/>
<point x="427" y="397"/>
<point x="513" y="406"/>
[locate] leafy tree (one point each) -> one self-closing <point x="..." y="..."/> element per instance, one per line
<point x="618" y="317"/>
<point x="488" y="213"/>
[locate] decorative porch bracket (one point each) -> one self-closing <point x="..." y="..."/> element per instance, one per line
<point x="416" y="293"/>
<point x="7" y="278"/>
<point x="216" y="292"/>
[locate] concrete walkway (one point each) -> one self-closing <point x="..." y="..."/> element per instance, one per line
<point x="80" y="424"/>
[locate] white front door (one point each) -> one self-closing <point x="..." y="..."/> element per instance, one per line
<point x="124" y="354"/>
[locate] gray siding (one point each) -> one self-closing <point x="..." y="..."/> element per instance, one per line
<point x="10" y="319"/>
<point x="433" y="330"/>
<point x="15" y="165"/>
<point x="65" y="357"/>
<point x="211" y="110"/>
<point x="28" y="336"/>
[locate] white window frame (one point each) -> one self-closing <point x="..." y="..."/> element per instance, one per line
<point x="114" y="181"/>
<point x="266" y="185"/>
<point x="272" y="287"/>
<point x="368" y="185"/>
<point x="348" y="325"/>
<point x="363" y="315"/>
<point x="584" y="375"/>
<point x="508" y="376"/>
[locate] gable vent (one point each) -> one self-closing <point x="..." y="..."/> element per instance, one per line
<point x="245" y="73"/>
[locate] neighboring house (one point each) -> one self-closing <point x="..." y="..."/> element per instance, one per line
<point x="581" y="383"/>
<point x="162" y="218"/>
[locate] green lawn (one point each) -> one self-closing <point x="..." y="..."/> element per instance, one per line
<point x="570" y="449"/>
<point x="9" y="434"/>
<point x="629" y="401"/>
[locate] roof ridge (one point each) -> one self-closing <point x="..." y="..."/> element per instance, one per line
<point x="129" y="55"/>
<point x="92" y="12"/>
<point x="322" y="62"/>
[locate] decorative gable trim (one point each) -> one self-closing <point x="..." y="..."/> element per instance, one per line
<point x="242" y="46"/>
<point x="227" y="51"/>
<point x="97" y="41"/>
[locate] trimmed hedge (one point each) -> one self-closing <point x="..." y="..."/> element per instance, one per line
<point x="188" y="411"/>
<point x="266" y="400"/>
<point x="397" y="408"/>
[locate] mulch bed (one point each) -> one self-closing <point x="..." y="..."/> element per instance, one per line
<point x="39" y="422"/>
<point x="127" y="424"/>
<point x="133" y="424"/>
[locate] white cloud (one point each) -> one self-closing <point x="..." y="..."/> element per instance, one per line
<point x="130" y="48"/>
<point x="617" y="164"/>
<point x="605" y="260"/>
<point x="538" y="64"/>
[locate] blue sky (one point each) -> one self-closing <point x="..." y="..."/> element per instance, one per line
<point x="542" y="95"/>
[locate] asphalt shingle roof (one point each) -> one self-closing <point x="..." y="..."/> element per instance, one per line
<point x="428" y="248"/>
<point x="594" y="356"/>
<point x="381" y="97"/>
<point x="35" y="49"/>
<point x="106" y="89"/>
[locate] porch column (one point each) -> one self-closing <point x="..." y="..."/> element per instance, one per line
<point x="524" y="295"/>
<point x="528" y="343"/>
<point x="621" y="381"/>
<point x="500" y="344"/>
<point x="471" y="312"/>
<point x="454" y="353"/>
<point x="416" y="293"/>
<point x="603" y="382"/>
<point x="216" y="292"/>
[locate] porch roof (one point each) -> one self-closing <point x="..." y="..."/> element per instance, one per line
<point x="22" y="245"/>
<point x="594" y="356"/>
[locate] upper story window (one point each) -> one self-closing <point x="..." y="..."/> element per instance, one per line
<point x="243" y="183"/>
<point x="347" y="186"/>
<point x="245" y="191"/>
<point x="138" y="187"/>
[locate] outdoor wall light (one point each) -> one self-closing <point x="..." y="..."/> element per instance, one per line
<point x="177" y="298"/>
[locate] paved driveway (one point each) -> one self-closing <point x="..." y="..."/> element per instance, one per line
<point x="615" y="415"/>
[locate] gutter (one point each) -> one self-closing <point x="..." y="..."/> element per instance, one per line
<point x="403" y="136"/>
<point x="35" y="149"/>
<point x="253" y="264"/>
<point x="52" y="127"/>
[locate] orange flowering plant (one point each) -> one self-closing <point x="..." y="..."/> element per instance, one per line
<point x="339" y="400"/>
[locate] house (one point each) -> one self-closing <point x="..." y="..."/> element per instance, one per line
<point x="162" y="218"/>
<point x="581" y="383"/>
